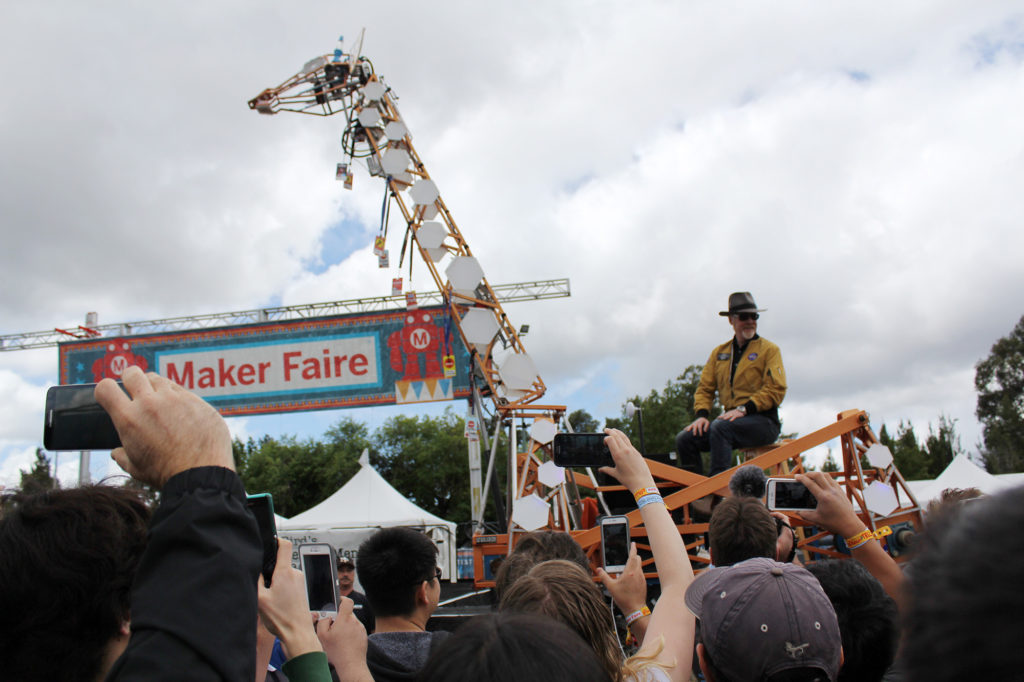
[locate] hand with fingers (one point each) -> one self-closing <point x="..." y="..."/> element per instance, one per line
<point x="629" y="591"/>
<point x="630" y="468"/>
<point x="344" y="640"/>
<point x="834" y="511"/>
<point x="164" y="428"/>
<point x="284" y="607"/>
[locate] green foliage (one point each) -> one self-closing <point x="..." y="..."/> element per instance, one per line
<point x="941" y="446"/>
<point x="38" y="478"/>
<point x="830" y="465"/>
<point x="999" y="380"/>
<point x="664" y="414"/>
<point x="909" y="457"/>
<point x="425" y="459"/>
<point x="583" y="422"/>
<point x="301" y="474"/>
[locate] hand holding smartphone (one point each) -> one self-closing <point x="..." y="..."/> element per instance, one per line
<point x="581" y="450"/>
<point x="73" y="420"/>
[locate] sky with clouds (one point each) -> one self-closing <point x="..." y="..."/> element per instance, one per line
<point x="857" y="167"/>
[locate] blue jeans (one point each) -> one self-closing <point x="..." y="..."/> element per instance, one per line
<point x="721" y="438"/>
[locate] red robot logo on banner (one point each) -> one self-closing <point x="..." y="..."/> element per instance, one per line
<point x="420" y="337"/>
<point x="118" y="358"/>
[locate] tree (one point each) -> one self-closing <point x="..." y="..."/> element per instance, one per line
<point x="38" y="478"/>
<point x="910" y="459"/>
<point x="425" y="459"/>
<point x="941" y="446"/>
<point x="301" y="474"/>
<point x="999" y="380"/>
<point x="583" y="422"/>
<point x="665" y="414"/>
<point x="829" y="465"/>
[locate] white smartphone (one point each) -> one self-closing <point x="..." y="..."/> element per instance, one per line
<point x="614" y="543"/>
<point x="785" y="494"/>
<point x="319" y="565"/>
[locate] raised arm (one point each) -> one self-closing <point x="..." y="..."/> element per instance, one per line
<point x="669" y="637"/>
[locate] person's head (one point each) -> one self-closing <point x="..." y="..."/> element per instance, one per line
<point x="867" y="618"/>
<point x="67" y="561"/>
<point x="764" y="620"/>
<point x="346" y="575"/>
<point x="534" y="548"/>
<point x="741" y="528"/>
<point x="964" y="617"/>
<point x="952" y="499"/>
<point x="510" y="647"/>
<point x="743" y="314"/>
<point x="561" y="590"/>
<point x="397" y="569"/>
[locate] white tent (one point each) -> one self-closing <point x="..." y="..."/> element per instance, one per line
<point x="961" y="473"/>
<point x="364" y="504"/>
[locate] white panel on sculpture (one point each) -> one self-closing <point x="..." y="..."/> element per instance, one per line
<point x="395" y="161"/>
<point x="550" y="474"/>
<point x="369" y="117"/>
<point x="395" y="130"/>
<point x="424" y="192"/>
<point x="464" y="273"/>
<point x="404" y="176"/>
<point x="530" y="512"/>
<point x="543" y="430"/>
<point x="879" y="456"/>
<point x="373" y="91"/>
<point x="429" y="211"/>
<point x="431" y="235"/>
<point x="437" y="254"/>
<point x="518" y="372"/>
<point x="479" y="325"/>
<point x="880" y="499"/>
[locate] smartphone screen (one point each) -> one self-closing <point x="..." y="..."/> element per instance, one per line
<point x="788" y="494"/>
<point x="614" y="543"/>
<point x="262" y="507"/>
<point x="321" y="574"/>
<point x="73" y="420"/>
<point x="581" y="449"/>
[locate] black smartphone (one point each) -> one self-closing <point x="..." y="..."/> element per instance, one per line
<point x="262" y="507"/>
<point x="320" y="566"/>
<point x="785" y="494"/>
<point x="581" y="450"/>
<point x="614" y="543"/>
<point x="73" y="420"/>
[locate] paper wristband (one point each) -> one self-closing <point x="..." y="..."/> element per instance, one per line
<point x="640" y="492"/>
<point x="650" y="498"/>
<point x="863" y="537"/>
<point x="637" y="615"/>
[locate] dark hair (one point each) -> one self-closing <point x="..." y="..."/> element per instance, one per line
<point x="867" y="618"/>
<point x="391" y="564"/>
<point x="67" y="561"/>
<point x="561" y="590"/>
<point x="741" y="528"/>
<point x="535" y="548"/>
<point x="964" y="616"/>
<point x="511" y="647"/>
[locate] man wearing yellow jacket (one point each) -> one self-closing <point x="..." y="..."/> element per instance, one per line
<point x="748" y="376"/>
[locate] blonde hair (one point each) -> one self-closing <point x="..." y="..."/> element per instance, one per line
<point x="637" y="665"/>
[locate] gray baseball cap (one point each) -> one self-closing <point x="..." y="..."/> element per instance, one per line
<point x="760" y="617"/>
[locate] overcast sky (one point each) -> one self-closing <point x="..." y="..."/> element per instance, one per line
<point x="857" y="166"/>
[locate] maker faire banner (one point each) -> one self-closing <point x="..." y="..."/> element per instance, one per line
<point x="404" y="356"/>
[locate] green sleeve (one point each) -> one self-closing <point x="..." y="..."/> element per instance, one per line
<point x="308" y="667"/>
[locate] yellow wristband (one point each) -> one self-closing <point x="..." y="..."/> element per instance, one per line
<point x="637" y="615"/>
<point x="640" y="492"/>
<point x="859" y="539"/>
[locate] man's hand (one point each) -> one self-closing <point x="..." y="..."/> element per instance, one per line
<point x="698" y="427"/>
<point x="284" y="607"/>
<point x="732" y="415"/>
<point x="164" y="429"/>
<point x="834" y="511"/>
<point x="344" y="640"/>
<point x="629" y="590"/>
<point x="630" y="468"/>
<point x="786" y="540"/>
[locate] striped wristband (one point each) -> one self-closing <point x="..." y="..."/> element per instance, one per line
<point x="637" y="615"/>
<point x="649" y="498"/>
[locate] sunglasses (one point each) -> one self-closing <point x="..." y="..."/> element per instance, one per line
<point x="747" y="317"/>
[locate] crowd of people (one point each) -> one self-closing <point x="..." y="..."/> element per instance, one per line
<point x="94" y="585"/>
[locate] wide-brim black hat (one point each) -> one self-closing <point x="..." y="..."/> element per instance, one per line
<point x="741" y="302"/>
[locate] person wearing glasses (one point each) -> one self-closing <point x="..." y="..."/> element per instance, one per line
<point x="397" y="568"/>
<point x="747" y="375"/>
